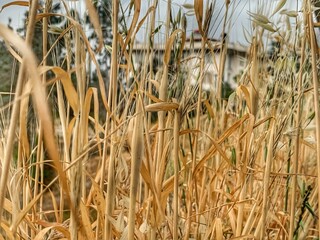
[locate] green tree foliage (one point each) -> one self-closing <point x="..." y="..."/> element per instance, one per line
<point x="8" y="71"/>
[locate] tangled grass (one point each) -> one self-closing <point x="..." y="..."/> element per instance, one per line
<point x="172" y="161"/>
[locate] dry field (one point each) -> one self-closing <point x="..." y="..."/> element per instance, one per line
<point x="147" y="155"/>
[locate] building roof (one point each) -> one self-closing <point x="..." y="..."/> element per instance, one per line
<point x="195" y="45"/>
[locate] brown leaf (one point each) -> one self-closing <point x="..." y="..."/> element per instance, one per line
<point x="94" y="18"/>
<point x="15" y="3"/>
<point x="198" y="9"/>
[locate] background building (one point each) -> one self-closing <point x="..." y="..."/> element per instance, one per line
<point x="235" y="60"/>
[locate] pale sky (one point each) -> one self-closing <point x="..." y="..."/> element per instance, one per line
<point x="16" y="13"/>
<point x="238" y="17"/>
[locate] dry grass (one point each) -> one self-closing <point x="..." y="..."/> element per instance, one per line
<point x="246" y="167"/>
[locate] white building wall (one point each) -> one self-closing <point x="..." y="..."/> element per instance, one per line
<point x="235" y="62"/>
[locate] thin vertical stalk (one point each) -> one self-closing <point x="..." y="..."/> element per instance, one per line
<point x="65" y="116"/>
<point x="297" y="143"/>
<point x="39" y="169"/>
<point x="147" y="119"/>
<point x="75" y="184"/>
<point x="266" y="180"/>
<point x="151" y="56"/>
<point x="195" y="146"/>
<point x="148" y="64"/>
<point x="314" y="49"/>
<point x="254" y="77"/>
<point x="78" y="142"/>
<point x="66" y="152"/>
<point x="243" y="181"/>
<point x="191" y="183"/>
<point x="163" y="92"/>
<point x="137" y="155"/>
<point x="176" y="174"/>
<point x="39" y="166"/>
<point x="16" y="108"/>
<point x="113" y="94"/>
<point x="223" y="51"/>
<point x="161" y="118"/>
